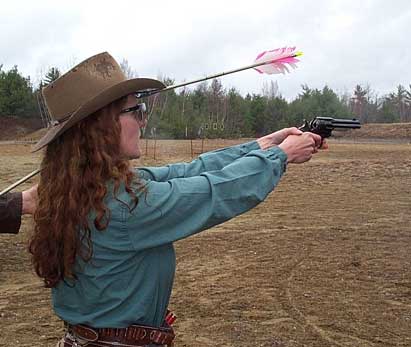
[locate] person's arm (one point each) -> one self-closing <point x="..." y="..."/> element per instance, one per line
<point x="180" y="207"/>
<point x="215" y="160"/>
<point x="11" y="205"/>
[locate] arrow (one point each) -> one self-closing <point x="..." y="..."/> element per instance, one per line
<point x="270" y="62"/>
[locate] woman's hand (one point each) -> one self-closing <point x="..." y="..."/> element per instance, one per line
<point x="300" y="148"/>
<point x="277" y="137"/>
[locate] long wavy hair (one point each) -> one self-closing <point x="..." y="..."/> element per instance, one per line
<point x="74" y="173"/>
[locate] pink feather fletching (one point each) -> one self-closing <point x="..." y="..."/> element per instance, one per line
<point x="276" y="60"/>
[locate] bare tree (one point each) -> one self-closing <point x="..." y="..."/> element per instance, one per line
<point x="408" y="103"/>
<point x="270" y="90"/>
<point x="128" y="71"/>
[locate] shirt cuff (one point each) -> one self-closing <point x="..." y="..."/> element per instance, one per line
<point x="250" y="146"/>
<point x="279" y="153"/>
<point x="13" y="209"/>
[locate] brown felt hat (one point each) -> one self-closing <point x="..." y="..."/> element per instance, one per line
<point x="86" y="88"/>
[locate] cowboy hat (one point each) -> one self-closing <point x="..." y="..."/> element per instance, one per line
<point x="86" y="88"/>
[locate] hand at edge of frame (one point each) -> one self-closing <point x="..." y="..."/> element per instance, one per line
<point x="29" y="200"/>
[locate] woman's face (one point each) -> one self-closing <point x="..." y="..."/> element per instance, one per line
<point x="130" y="130"/>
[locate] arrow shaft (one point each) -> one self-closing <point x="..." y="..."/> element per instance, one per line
<point x="22" y="180"/>
<point x="149" y="93"/>
<point x="213" y="76"/>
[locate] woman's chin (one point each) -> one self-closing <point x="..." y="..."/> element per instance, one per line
<point x="135" y="154"/>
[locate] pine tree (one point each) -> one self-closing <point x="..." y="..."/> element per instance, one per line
<point x="16" y="94"/>
<point x="51" y="76"/>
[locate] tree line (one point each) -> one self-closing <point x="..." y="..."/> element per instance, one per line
<point x="209" y="110"/>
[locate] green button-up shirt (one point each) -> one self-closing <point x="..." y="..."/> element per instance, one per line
<point x="130" y="275"/>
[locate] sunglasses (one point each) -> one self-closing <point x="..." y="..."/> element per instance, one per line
<point x="138" y="112"/>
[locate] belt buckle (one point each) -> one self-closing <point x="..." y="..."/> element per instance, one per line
<point x="73" y="340"/>
<point x="84" y="333"/>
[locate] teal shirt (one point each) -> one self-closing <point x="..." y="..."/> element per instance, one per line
<point x="130" y="276"/>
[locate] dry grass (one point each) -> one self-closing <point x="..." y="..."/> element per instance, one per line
<point x="324" y="261"/>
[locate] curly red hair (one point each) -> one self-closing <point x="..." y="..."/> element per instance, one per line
<point x="74" y="173"/>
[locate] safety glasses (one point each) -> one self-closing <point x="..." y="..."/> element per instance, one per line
<point x="139" y="112"/>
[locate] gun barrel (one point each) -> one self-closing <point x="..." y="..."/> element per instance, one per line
<point x="339" y="123"/>
<point x="346" y="124"/>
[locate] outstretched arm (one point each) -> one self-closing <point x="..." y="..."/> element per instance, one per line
<point x="215" y="160"/>
<point x="210" y="161"/>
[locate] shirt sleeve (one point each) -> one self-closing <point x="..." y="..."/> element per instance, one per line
<point x="10" y="213"/>
<point x="181" y="207"/>
<point x="214" y="160"/>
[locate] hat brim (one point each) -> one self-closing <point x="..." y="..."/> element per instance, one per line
<point x="106" y="97"/>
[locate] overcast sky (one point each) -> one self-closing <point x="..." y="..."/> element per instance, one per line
<point x="345" y="42"/>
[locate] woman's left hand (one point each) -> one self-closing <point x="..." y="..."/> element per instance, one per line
<point x="29" y="200"/>
<point x="277" y="137"/>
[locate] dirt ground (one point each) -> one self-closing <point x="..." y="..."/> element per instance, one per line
<point x="324" y="261"/>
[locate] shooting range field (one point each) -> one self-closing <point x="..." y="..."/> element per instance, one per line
<point x="324" y="261"/>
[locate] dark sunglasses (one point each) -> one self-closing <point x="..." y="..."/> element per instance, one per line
<point x="138" y="111"/>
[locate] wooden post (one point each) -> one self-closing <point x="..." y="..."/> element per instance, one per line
<point x="155" y="145"/>
<point x="146" y="146"/>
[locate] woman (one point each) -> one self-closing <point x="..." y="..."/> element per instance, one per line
<point x="104" y="231"/>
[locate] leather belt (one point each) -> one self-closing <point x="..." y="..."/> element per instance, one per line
<point x="134" y="335"/>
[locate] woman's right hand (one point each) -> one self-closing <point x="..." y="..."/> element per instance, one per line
<point x="300" y="148"/>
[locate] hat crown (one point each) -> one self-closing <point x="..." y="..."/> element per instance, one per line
<point x="81" y="84"/>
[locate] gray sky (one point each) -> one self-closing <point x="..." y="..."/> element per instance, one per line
<point x="345" y="42"/>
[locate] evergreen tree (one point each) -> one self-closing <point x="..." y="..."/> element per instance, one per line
<point x="51" y="76"/>
<point x="387" y="113"/>
<point x="258" y="115"/>
<point x="235" y="108"/>
<point x="277" y="113"/>
<point x="313" y="103"/>
<point x="16" y="94"/>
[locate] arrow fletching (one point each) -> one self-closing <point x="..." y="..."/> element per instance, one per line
<point x="277" y="60"/>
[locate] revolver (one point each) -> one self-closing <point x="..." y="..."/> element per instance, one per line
<point x="324" y="126"/>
